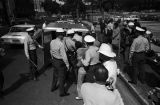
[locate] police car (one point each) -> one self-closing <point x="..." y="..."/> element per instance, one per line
<point x="16" y="34"/>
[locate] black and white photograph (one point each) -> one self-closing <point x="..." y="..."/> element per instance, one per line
<point x="79" y="52"/>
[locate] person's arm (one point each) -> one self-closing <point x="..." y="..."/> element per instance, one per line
<point x="132" y="50"/>
<point x="87" y="59"/>
<point x="148" y="46"/>
<point x="26" y="48"/>
<point x="64" y="55"/>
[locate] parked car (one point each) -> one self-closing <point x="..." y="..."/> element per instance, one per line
<point x="16" y="34"/>
<point x="132" y="17"/>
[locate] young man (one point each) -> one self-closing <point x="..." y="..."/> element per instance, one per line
<point x="60" y="63"/>
<point x="98" y="93"/>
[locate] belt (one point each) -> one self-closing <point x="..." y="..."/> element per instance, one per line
<point x="140" y="52"/>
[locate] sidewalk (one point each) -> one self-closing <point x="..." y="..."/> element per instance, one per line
<point x="124" y="77"/>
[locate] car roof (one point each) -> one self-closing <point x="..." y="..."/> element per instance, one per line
<point x="23" y="25"/>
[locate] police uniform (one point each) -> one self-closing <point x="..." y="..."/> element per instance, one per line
<point x="30" y="52"/>
<point x="60" y="63"/>
<point x="91" y="58"/>
<point x="71" y="54"/>
<point x="137" y="52"/>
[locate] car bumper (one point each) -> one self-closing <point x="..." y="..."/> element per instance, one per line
<point x="11" y="41"/>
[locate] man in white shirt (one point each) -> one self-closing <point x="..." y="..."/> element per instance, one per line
<point x="97" y="93"/>
<point x="60" y="63"/>
<point x="107" y="56"/>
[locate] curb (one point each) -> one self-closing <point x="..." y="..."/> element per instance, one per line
<point x="133" y="90"/>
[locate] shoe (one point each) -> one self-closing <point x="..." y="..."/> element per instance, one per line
<point x="78" y="98"/>
<point x="132" y="82"/>
<point x="64" y="94"/>
<point x="53" y="89"/>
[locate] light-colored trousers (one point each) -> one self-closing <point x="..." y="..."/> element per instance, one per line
<point x="81" y="75"/>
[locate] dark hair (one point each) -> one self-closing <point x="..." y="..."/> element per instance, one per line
<point x="90" y="43"/>
<point x="104" y="58"/>
<point x="70" y="35"/>
<point x="100" y="73"/>
<point x="60" y="34"/>
<point x="78" y="44"/>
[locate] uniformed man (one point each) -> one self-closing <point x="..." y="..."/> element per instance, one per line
<point x="71" y="54"/>
<point x="60" y="63"/>
<point x="91" y="58"/>
<point x="138" y="48"/>
<point x="30" y="46"/>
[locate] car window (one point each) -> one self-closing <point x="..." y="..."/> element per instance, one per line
<point x="18" y="29"/>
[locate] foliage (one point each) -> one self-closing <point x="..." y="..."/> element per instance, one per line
<point x="51" y="7"/>
<point x="24" y="8"/>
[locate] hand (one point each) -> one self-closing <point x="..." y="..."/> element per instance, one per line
<point x="27" y="57"/>
<point x="40" y="46"/>
<point x="67" y="67"/>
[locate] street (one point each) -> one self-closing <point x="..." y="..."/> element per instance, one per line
<point x="20" y="91"/>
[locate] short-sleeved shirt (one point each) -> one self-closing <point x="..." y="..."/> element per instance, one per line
<point x="69" y="44"/>
<point x="96" y="94"/>
<point x="91" y="56"/>
<point x="57" y="50"/>
<point x="140" y="44"/>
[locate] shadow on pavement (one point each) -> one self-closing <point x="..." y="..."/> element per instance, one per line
<point x="23" y="80"/>
<point x="4" y="62"/>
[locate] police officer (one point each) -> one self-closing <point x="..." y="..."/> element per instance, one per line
<point x="91" y="58"/>
<point x="70" y="46"/>
<point x="30" y="46"/>
<point x="138" y="48"/>
<point x="60" y="63"/>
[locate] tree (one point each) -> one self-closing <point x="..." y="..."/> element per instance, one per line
<point x="51" y="7"/>
<point x="24" y="8"/>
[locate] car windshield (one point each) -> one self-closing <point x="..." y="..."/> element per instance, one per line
<point x="18" y="29"/>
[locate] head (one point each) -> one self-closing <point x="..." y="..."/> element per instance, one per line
<point x="30" y="31"/>
<point x="89" y="40"/>
<point x="106" y="52"/>
<point x="131" y="25"/>
<point x="100" y="73"/>
<point x="78" y="44"/>
<point x="70" y="33"/>
<point x="60" y="33"/>
<point x="140" y="31"/>
<point x="115" y="25"/>
<point x="79" y="33"/>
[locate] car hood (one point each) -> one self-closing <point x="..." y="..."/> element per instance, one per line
<point x="15" y="34"/>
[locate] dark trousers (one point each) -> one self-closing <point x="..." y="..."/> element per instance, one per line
<point x="74" y="70"/>
<point x="33" y="62"/>
<point x="59" y="74"/>
<point x="1" y="81"/>
<point x="138" y="62"/>
<point x="89" y="77"/>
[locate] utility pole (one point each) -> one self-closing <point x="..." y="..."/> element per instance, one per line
<point x="6" y="17"/>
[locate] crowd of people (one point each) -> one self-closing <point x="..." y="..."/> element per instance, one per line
<point x="92" y="64"/>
